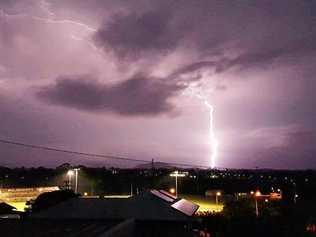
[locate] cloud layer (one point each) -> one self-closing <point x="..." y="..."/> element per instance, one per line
<point x="126" y="63"/>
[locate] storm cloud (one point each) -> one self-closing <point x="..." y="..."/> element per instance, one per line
<point x="138" y="95"/>
<point x="132" y="61"/>
<point x="132" y="35"/>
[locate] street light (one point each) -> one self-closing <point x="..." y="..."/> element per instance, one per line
<point x="70" y="173"/>
<point x="76" y="175"/>
<point x="218" y="194"/>
<point x="257" y="194"/>
<point x="176" y="174"/>
<point x="295" y="197"/>
<point x="172" y="190"/>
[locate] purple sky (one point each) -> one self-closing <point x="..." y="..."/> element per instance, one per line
<point x="120" y="77"/>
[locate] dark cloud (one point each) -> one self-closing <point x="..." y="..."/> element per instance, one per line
<point x="292" y="51"/>
<point x="139" y="95"/>
<point x="260" y="57"/>
<point x="194" y="67"/>
<point x="299" y="148"/>
<point x="134" y="34"/>
<point x="211" y="28"/>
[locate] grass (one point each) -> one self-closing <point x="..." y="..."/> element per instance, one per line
<point x="18" y="205"/>
<point x="207" y="204"/>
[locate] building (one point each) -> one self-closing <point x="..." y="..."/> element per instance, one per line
<point x="151" y="213"/>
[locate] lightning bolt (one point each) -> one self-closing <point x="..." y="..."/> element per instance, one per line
<point x="51" y="19"/>
<point x="212" y="137"/>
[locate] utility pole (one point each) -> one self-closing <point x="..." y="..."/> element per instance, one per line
<point x="131" y="189"/>
<point x="176" y="183"/>
<point x="256" y="196"/>
<point x="257" y="210"/>
<point x="177" y="174"/>
<point x="217" y="195"/>
<point x="152" y="173"/>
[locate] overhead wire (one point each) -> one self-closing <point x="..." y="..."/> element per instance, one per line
<point x="53" y="149"/>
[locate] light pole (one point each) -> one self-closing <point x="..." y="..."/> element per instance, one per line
<point x="257" y="194"/>
<point x="131" y="189"/>
<point x="218" y="194"/>
<point x="70" y="173"/>
<point x="76" y="175"/>
<point x="176" y="174"/>
<point x="295" y="197"/>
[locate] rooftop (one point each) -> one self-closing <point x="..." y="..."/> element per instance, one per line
<point x="150" y="205"/>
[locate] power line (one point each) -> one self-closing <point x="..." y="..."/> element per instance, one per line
<point x="39" y="147"/>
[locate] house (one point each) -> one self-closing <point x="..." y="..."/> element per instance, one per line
<point x="8" y="211"/>
<point x="151" y="213"/>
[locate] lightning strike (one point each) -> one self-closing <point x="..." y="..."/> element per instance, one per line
<point x="49" y="20"/>
<point x="212" y="137"/>
<point x="65" y="21"/>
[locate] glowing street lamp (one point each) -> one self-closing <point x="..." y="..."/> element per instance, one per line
<point x="257" y="194"/>
<point x="70" y="173"/>
<point x="177" y="174"/>
<point x="76" y="176"/>
<point x="295" y="197"/>
<point x="218" y="194"/>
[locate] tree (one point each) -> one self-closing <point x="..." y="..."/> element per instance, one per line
<point x="46" y="200"/>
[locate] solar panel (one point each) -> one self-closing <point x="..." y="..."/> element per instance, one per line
<point x="161" y="196"/>
<point x="185" y="207"/>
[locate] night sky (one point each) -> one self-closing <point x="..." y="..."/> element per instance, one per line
<point x="131" y="78"/>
